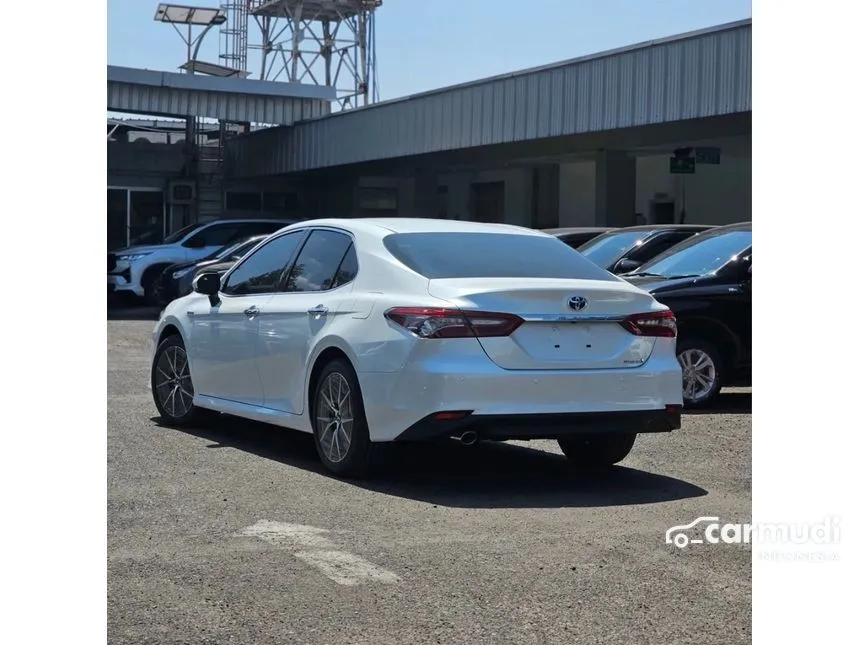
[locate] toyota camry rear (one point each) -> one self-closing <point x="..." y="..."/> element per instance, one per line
<point x="369" y="331"/>
<point x="507" y="334"/>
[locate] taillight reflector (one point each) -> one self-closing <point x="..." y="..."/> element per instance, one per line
<point x="453" y="323"/>
<point x="655" y="323"/>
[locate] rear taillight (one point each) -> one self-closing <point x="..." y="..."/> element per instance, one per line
<point x="453" y="323"/>
<point x="655" y="323"/>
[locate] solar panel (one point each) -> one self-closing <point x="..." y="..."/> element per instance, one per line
<point x="187" y="15"/>
<point x="212" y="69"/>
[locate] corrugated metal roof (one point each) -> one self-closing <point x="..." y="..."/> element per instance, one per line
<point x="230" y="85"/>
<point x="695" y="75"/>
<point x="168" y="94"/>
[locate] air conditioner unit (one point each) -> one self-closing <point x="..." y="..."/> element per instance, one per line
<point x="181" y="192"/>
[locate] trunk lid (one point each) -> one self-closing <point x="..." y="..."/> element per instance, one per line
<point x="555" y="336"/>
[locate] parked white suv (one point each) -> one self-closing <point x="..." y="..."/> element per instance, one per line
<point x="134" y="270"/>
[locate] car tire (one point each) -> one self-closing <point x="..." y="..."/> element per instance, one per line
<point x="597" y="450"/>
<point x="694" y="351"/>
<point x="149" y="284"/>
<point x="172" y="389"/>
<point x="337" y="416"/>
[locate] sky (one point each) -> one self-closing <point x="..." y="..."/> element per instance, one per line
<point x="426" y="44"/>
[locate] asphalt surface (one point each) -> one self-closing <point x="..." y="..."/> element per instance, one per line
<point x="231" y="533"/>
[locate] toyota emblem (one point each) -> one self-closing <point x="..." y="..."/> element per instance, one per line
<point x="577" y="303"/>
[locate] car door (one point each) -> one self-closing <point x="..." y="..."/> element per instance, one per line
<point x="737" y="303"/>
<point x="225" y="335"/>
<point x="314" y="290"/>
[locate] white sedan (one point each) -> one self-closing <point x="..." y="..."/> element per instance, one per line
<point x="366" y="331"/>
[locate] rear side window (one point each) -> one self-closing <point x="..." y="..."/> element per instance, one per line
<point x="491" y="255"/>
<point x="348" y="268"/>
<point x="318" y="261"/>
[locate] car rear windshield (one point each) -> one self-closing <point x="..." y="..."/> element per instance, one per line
<point x="491" y="255"/>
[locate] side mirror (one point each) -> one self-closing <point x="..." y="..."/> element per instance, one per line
<point x="209" y="284"/>
<point x="626" y="266"/>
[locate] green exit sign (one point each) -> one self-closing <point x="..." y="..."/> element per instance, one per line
<point x="682" y="165"/>
<point x="708" y="156"/>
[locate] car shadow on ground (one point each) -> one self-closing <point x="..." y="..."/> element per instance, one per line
<point x="489" y="475"/>
<point x="727" y="403"/>
<point x="131" y="311"/>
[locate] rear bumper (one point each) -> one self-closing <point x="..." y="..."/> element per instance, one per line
<point x="545" y="426"/>
<point x="463" y="378"/>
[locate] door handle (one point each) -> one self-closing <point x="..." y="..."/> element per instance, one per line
<point x="252" y="311"/>
<point x="319" y="310"/>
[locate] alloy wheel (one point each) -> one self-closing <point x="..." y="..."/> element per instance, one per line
<point x="699" y="374"/>
<point x="334" y="417"/>
<point x="173" y="382"/>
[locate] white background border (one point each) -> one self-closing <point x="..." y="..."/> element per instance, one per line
<point x="806" y="180"/>
<point x="806" y="205"/>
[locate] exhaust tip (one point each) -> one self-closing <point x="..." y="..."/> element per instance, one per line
<point x="468" y="438"/>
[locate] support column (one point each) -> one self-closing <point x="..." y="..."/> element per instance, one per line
<point x="425" y="195"/>
<point x="545" y="196"/>
<point x="615" y="189"/>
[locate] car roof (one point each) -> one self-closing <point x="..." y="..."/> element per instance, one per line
<point x="578" y="229"/>
<point x="383" y="226"/>
<point x="740" y="226"/>
<point x="720" y="230"/>
<point x="666" y="227"/>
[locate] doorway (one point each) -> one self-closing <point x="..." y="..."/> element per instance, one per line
<point x="487" y="201"/>
<point x="135" y="216"/>
<point x="662" y="212"/>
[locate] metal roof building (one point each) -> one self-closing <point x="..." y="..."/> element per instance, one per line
<point x="143" y="91"/>
<point x="691" y="76"/>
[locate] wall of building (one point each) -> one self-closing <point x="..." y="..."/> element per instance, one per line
<point x="143" y="165"/>
<point x="715" y="194"/>
<point x="576" y="196"/>
<point x="533" y="195"/>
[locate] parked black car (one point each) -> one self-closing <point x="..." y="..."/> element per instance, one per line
<point x="706" y="281"/>
<point x="624" y="249"/>
<point x="576" y="236"/>
<point x="175" y="281"/>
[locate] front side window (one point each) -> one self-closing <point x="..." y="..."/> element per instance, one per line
<point x="318" y="261"/>
<point x="491" y="255"/>
<point x="261" y="271"/>
<point x="238" y="251"/>
<point x="699" y="255"/>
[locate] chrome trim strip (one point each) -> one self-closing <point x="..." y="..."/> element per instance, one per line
<point x="571" y="318"/>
